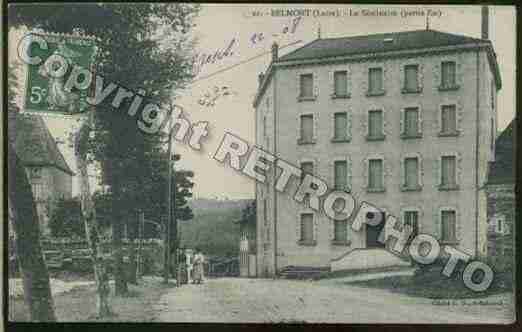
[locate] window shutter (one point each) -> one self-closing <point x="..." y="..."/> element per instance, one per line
<point x="419" y="126"/>
<point x="420" y="74"/>
<point x="437" y="74"/>
<point x="438" y="170"/>
<point x="348" y="80"/>
<point x="421" y="169"/>
<point x="458" y="168"/>
<point x="437" y="230"/>
<point x="458" y="115"/>
<point x="385" y="127"/>
<point x="315" y="85"/>
<point x="365" y="127"/>
<point x="384" y="76"/>
<point x="402" y="77"/>
<point x="349" y="124"/>
<point x="437" y="125"/>
<point x="365" y="82"/>
<point x="386" y="171"/>
<point x="331" y="81"/>
<point x="459" y="72"/>
<point x="366" y="174"/>
<point x="315" y="126"/>
<point x="402" y="121"/>
<point x="458" y="227"/>
<point x="403" y="171"/>
<point x="349" y="173"/>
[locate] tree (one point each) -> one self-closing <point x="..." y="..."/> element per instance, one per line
<point x="66" y="220"/>
<point x="92" y="230"/>
<point x="22" y="211"/>
<point x="37" y="290"/>
<point x="142" y="46"/>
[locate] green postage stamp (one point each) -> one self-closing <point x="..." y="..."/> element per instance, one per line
<point x="46" y="90"/>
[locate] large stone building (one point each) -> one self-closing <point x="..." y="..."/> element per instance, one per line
<point x="501" y="196"/>
<point x="405" y="121"/>
<point x="47" y="170"/>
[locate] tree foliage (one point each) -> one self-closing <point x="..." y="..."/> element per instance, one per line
<point x="66" y="219"/>
<point x="141" y="46"/>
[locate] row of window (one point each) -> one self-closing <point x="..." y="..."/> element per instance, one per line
<point x="448" y="227"/>
<point x="411" y="179"/>
<point x="411" y="125"/>
<point x="376" y="81"/>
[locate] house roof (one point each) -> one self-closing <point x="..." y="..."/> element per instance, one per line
<point x="502" y="170"/>
<point x="34" y="144"/>
<point x="379" y="44"/>
<point x="376" y="43"/>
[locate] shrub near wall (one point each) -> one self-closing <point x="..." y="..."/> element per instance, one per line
<point x="77" y="254"/>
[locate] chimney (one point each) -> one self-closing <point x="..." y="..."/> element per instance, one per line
<point x="485" y="22"/>
<point x="260" y="79"/>
<point x="275" y="49"/>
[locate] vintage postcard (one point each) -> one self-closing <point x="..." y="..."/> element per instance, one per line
<point x="246" y="163"/>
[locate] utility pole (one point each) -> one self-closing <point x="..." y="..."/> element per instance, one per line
<point x="166" y="257"/>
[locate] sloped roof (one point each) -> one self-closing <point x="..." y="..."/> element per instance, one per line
<point x="502" y="170"/>
<point x="34" y="144"/>
<point x="376" y="43"/>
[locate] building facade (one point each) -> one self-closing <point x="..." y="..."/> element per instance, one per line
<point x="501" y="198"/>
<point x="405" y="121"/>
<point x="47" y="171"/>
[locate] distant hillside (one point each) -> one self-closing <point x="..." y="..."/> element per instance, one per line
<point x="203" y="206"/>
<point x="213" y="228"/>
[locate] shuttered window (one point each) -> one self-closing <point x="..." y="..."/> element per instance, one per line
<point x="411" y="171"/>
<point x="307" y="227"/>
<point x="411" y="121"/>
<point x="340" y="126"/>
<point x="340" y="230"/>
<point x="448" y="225"/>
<point x="448" y="119"/>
<point x="448" y="171"/>
<point x="375" y="180"/>
<point x="307" y="128"/>
<point x="307" y="167"/>
<point x="307" y="85"/>
<point x="411" y="218"/>
<point x="375" y="81"/>
<point x="340" y="83"/>
<point x="340" y="174"/>
<point x="411" y="78"/>
<point x="375" y="124"/>
<point x="448" y="74"/>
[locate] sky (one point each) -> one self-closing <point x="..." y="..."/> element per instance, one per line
<point x="218" y="25"/>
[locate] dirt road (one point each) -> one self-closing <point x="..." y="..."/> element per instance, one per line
<point x="266" y="300"/>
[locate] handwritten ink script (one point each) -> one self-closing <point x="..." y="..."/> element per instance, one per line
<point x="205" y="59"/>
<point x="290" y="28"/>
<point x="209" y="98"/>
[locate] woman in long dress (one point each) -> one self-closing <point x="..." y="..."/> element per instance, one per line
<point x="198" y="267"/>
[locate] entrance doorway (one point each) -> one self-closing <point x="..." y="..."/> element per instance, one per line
<point x="373" y="232"/>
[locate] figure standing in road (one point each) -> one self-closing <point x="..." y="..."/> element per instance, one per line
<point x="198" y="267"/>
